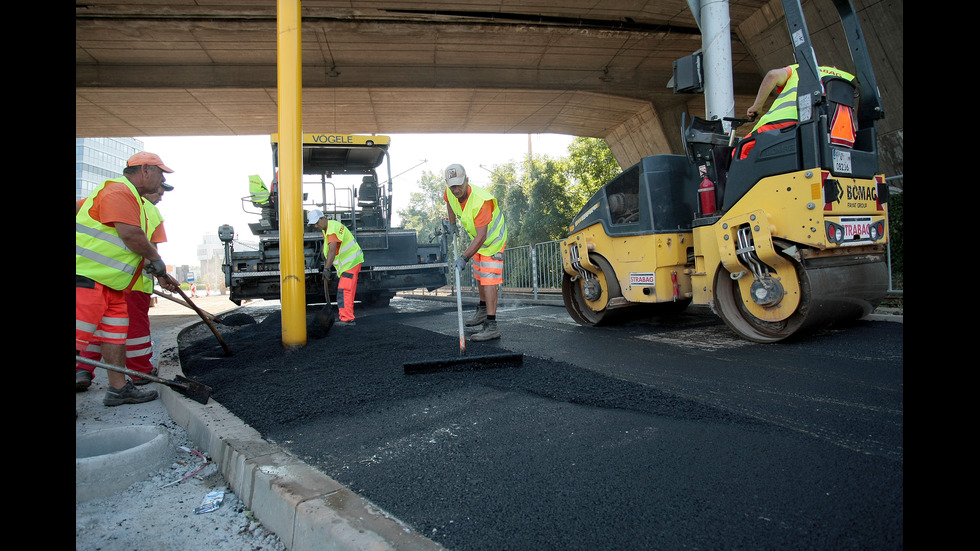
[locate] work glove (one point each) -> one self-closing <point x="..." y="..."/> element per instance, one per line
<point x="460" y="263"/>
<point x="157" y="268"/>
<point x="453" y="230"/>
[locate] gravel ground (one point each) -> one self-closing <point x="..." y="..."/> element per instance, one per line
<point x="158" y="512"/>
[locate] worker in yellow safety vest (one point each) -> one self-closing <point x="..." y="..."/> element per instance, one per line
<point x="342" y="252"/>
<point x="139" y="345"/>
<point x="257" y="190"/>
<point x="483" y="219"/>
<point x="111" y="251"/>
<point x="783" y="111"/>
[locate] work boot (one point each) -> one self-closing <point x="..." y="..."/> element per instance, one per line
<point x="83" y="379"/>
<point x="128" y="394"/>
<point x="488" y="333"/>
<point x="478" y="317"/>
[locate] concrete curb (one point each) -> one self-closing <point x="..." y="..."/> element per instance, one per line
<point x="306" y="509"/>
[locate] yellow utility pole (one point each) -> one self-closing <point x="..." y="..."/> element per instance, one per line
<point x="291" y="223"/>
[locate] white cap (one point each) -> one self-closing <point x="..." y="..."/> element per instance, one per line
<point x="455" y="175"/>
<point x="314" y="216"/>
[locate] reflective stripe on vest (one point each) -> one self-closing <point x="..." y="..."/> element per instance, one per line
<point x="100" y="254"/>
<point x="348" y="252"/>
<point x="256" y="188"/>
<point x="153" y="221"/>
<point x="784" y="107"/>
<point x="496" y="231"/>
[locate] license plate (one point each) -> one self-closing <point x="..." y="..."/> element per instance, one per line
<point x="842" y="161"/>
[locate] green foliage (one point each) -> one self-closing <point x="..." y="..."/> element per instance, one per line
<point x="551" y="201"/>
<point x="426" y="208"/>
<point x="539" y="196"/>
<point x="591" y="164"/>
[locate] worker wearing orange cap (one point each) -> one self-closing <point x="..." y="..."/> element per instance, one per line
<point x="111" y="251"/>
<point x="139" y="344"/>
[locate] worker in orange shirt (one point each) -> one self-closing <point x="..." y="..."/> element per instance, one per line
<point x="483" y="219"/>
<point x="111" y="252"/>
<point x="139" y="345"/>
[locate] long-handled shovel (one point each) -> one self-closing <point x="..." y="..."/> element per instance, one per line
<point x="201" y="313"/>
<point x="324" y="318"/>
<point x="198" y="392"/>
<point x="210" y="316"/>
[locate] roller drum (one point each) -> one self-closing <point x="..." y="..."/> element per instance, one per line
<point x="832" y="290"/>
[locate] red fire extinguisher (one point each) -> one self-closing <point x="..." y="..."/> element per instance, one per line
<point x="706" y="191"/>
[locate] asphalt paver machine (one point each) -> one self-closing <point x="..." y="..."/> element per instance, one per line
<point x="348" y="177"/>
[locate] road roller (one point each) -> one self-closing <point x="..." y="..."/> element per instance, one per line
<point x="779" y="233"/>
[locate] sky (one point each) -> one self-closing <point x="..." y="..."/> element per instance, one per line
<point x="211" y="173"/>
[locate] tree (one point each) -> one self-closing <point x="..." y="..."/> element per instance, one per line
<point x="539" y="196"/>
<point x="591" y="165"/>
<point x="551" y="201"/>
<point x="426" y="209"/>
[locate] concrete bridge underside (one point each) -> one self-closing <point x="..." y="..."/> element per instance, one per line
<point x="579" y="67"/>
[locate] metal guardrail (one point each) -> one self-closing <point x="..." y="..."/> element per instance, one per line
<point x="528" y="269"/>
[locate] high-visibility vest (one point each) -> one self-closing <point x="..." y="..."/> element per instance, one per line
<point x="783" y="108"/>
<point x="256" y="188"/>
<point x="100" y="254"/>
<point x="496" y="230"/>
<point x="348" y="252"/>
<point x="153" y="221"/>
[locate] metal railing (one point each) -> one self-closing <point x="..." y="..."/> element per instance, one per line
<point x="528" y="269"/>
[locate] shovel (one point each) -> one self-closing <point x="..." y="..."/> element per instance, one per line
<point x="324" y="318"/>
<point x="210" y="316"/>
<point x="195" y="391"/>
<point x="204" y="317"/>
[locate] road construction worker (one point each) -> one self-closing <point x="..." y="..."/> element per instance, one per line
<point x="343" y="253"/>
<point x="111" y="251"/>
<point x="783" y="111"/>
<point x="257" y="190"/>
<point x="139" y="346"/>
<point x="483" y="219"/>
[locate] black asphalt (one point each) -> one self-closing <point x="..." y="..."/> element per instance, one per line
<point x="549" y="455"/>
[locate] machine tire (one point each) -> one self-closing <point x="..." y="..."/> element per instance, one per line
<point x="731" y="309"/>
<point x="841" y="289"/>
<point x="576" y="304"/>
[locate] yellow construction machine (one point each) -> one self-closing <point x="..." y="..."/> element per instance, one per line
<point x="788" y="237"/>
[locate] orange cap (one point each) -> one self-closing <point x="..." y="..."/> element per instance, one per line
<point x="147" y="158"/>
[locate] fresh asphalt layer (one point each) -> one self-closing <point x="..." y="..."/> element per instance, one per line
<point x="336" y="444"/>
